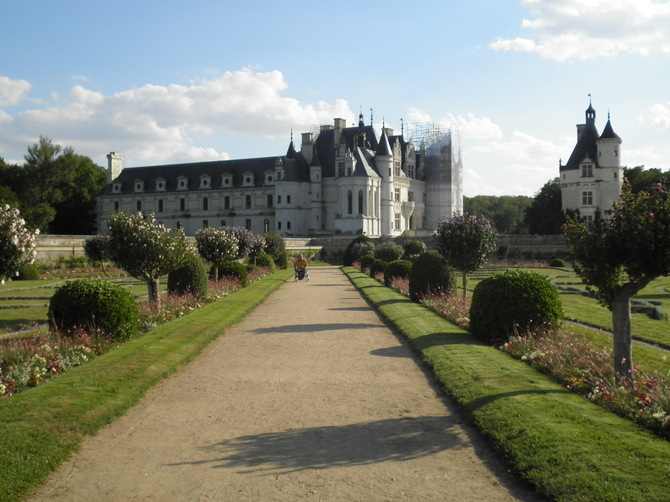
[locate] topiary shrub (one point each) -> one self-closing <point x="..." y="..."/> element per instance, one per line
<point x="557" y="262"/>
<point x="265" y="260"/>
<point x="191" y="278"/>
<point x="512" y="301"/>
<point x="413" y="248"/>
<point x="398" y="269"/>
<point x="275" y="247"/>
<point x="28" y="272"/>
<point x="366" y="261"/>
<point x="430" y="273"/>
<point x="236" y="270"/>
<point x="93" y="304"/>
<point x="353" y="252"/>
<point x="377" y="267"/>
<point x="388" y="252"/>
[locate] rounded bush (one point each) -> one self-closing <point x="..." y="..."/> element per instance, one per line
<point x="93" y="304"/>
<point x="388" y="252"/>
<point x="274" y="246"/>
<point x="557" y="262"/>
<point x="430" y="273"/>
<point x="398" y="269"/>
<point x="265" y="260"/>
<point x="191" y="278"/>
<point x="377" y="267"/>
<point x="366" y="261"/>
<point x="353" y="253"/>
<point x="413" y="248"/>
<point x="236" y="270"/>
<point x="512" y="301"/>
<point x="95" y="248"/>
<point x="28" y="272"/>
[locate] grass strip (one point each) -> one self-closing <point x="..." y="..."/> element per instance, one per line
<point x="566" y="447"/>
<point x="43" y="426"/>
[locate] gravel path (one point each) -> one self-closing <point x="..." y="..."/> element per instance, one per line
<point x="311" y="397"/>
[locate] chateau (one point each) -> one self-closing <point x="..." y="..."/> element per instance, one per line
<point x="591" y="179"/>
<point x="344" y="180"/>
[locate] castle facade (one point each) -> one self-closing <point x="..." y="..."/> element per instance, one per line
<point x="343" y="180"/>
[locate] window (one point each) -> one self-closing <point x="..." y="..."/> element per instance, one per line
<point x="178" y="224"/>
<point x="288" y="199"/>
<point x="247" y="202"/>
<point x="587" y="198"/>
<point x="396" y="195"/>
<point x="587" y="171"/>
<point x="160" y="205"/>
<point x="340" y="168"/>
<point x="396" y="168"/>
<point x="139" y="205"/>
<point x="288" y="225"/>
<point x="266" y="226"/>
<point x="349" y="202"/>
<point x="226" y="180"/>
<point x="226" y="202"/>
<point x="278" y="199"/>
<point x="269" y="199"/>
<point x="247" y="224"/>
<point x="223" y="223"/>
<point x="205" y="204"/>
<point x="279" y="225"/>
<point x="205" y="181"/>
<point x="182" y="183"/>
<point x="360" y="202"/>
<point x="139" y="186"/>
<point x="116" y="188"/>
<point x="205" y="223"/>
<point x="116" y="205"/>
<point x="410" y="196"/>
<point x="160" y="184"/>
<point x="397" y="221"/>
<point x="182" y="204"/>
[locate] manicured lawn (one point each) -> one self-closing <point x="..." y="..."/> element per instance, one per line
<point x="42" y="426"/>
<point x="560" y="443"/>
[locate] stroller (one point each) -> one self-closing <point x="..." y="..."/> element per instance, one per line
<point x="300" y="274"/>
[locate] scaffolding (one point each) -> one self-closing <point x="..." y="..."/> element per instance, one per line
<point x="426" y="134"/>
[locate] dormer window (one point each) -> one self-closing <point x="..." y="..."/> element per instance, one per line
<point x="226" y="180"/>
<point x="269" y="177"/>
<point x="182" y="183"/>
<point x="205" y="181"/>
<point x="116" y="188"/>
<point x="139" y="185"/>
<point x="161" y="184"/>
<point x="247" y="179"/>
<point x="587" y="170"/>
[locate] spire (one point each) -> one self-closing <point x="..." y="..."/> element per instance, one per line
<point x="590" y="113"/>
<point x="384" y="147"/>
<point x="290" y="153"/>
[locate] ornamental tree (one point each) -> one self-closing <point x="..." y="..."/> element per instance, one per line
<point x="466" y="242"/>
<point x="216" y="246"/>
<point x="17" y="243"/>
<point x="245" y="239"/>
<point x="620" y="255"/>
<point x="145" y="249"/>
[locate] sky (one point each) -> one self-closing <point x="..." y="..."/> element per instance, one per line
<point x="172" y="81"/>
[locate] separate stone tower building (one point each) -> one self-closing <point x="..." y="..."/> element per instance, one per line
<point x="591" y="179"/>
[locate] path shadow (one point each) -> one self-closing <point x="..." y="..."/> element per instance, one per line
<point x="397" y="440"/>
<point x="358" y="309"/>
<point x="392" y="352"/>
<point x="313" y="328"/>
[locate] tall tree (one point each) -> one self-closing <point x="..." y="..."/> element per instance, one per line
<point x="643" y="179"/>
<point x="620" y="255"/>
<point x="506" y="213"/>
<point x="545" y="216"/>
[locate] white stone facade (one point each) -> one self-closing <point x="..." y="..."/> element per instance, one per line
<point x="344" y="180"/>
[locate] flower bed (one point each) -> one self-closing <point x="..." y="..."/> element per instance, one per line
<point x="30" y="359"/>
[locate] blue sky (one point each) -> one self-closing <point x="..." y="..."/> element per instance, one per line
<point x="167" y="81"/>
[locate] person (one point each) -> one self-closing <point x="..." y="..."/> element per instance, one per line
<point x="300" y="266"/>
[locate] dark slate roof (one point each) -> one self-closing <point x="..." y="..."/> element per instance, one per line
<point x="608" y="132"/>
<point x="586" y="143"/>
<point x="384" y="147"/>
<point x="325" y="145"/>
<point x="193" y="171"/>
<point x="296" y="169"/>
<point x="365" y="163"/>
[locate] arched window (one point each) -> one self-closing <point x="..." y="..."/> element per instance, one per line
<point x="350" y="202"/>
<point x="360" y="202"/>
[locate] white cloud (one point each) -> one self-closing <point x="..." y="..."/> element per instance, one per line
<point x="660" y="116"/>
<point x="574" y="29"/>
<point x="157" y="124"/>
<point x="12" y="92"/>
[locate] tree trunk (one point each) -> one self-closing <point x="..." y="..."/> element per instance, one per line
<point x="465" y="285"/>
<point x="154" y="298"/>
<point x="623" y="339"/>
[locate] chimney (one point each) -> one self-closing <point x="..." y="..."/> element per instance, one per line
<point x="113" y="165"/>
